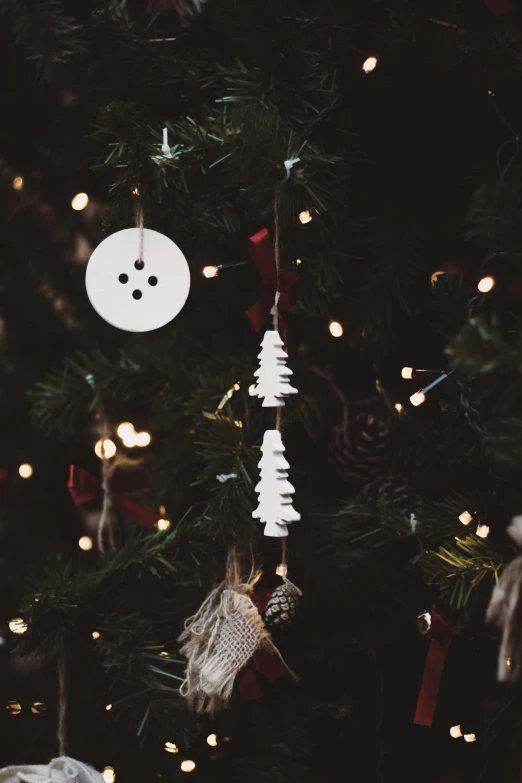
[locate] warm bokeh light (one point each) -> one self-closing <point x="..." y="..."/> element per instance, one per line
<point x="108" y="774"/>
<point x="298" y="261"/>
<point x="18" y="183"/>
<point x="486" y="284"/>
<point x="482" y="531"/>
<point x="305" y="216"/>
<point x="418" y="398"/>
<point x="95" y="634"/>
<point x="25" y="470"/>
<point x="130" y="441"/>
<point x="435" y="276"/>
<point x="125" y="429"/>
<point x="282" y="569"/>
<point x="164" y="654"/>
<point x="143" y="439"/>
<point x="108" y="707"/>
<point x="407" y="372"/>
<point x="465" y="517"/>
<point x="399" y="407"/>
<point x="251" y="388"/>
<point x="212" y="740"/>
<point x="369" y="64"/>
<point x="105" y="449"/>
<point x="470" y="737"/>
<point x="455" y="732"/>
<point x="171" y="747"/>
<point x="336" y="329"/>
<point x="188" y="765"/>
<point x="210" y="271"/>
<point x="17" y="625"/>
<point x="80" y="201"/>
<point x="163" y="524"/>
<point x="85" y="543"/>
<point x="38" y="708"/>
<point x="13" y="707"/>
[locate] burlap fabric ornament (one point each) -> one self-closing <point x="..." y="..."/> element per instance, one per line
<point x="221" y="638"/>
<point x="60" y="770"/>
<point x="505" y="611"/>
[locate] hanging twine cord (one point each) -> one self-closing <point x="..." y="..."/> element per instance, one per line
<point x="62" y="700"/>
<point x="139" y="225"/>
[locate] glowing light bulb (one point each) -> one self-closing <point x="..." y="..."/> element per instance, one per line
<point x="25" y="470"/>
<point x="135" y="191"/>
<point x="305" y="216"/>
<point x="13" y="707"/>
<point x="210" y="271"/>
<point x="38" y="708"/>
<point x="108" y="774"/>
<point x="369" y="64"/>
<point x="85" y="543"/>
<point x="435" y="276"/>
<point x="298" y="261"/>
<point x="407" y="372"/>
<point x="470" y="737"/>
<point x="399" y="407"/>
<point x="18" y="183"/>
<point x="282" y="569"/>
<point x="336" y="329"/>
<point x="108" y="707"/>
<point x="212" y="740"/>
<point x="465" y="517"/>
<point x="125" y="429"/>
<point x="95" y="634"/>
<point x="418" y="398"/>
<point x="164" y="654"/>
<point x="163" y="524"/>
<point x="455" y="732"/>
<point x="143" y="439"/>
<point x="105" y="449"/>
<point x="17" y="625"/>
<point x="80" y="201"/>
<point x="129" y="441"/>
<point x="486" y="284"/>
<point x="482" y="531"/>
<point x="251" y="388"/>
<point x="171" y="747"/>
<point x="188" y="765"/>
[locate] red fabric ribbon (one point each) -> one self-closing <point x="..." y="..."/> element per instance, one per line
<point x="264" y="663"/>
<point x="262" y="253"/>
<point x="84" y="487"/>
<point x="440" y="641"/>
<point x="499" y="7"/>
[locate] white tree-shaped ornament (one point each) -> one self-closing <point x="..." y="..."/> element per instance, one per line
<point x="275" y="492"/>
<point x="273" y="374"/>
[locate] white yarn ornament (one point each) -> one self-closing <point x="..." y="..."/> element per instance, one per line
<point x="60" y="770"/>
<point x="273" y="375"/>
<point x="275" y="492"/>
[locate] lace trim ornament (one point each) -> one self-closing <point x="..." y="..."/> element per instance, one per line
<point x="505" y="611"/>
<point x="60" y="770"/>
<point x="220" y="639"/>
<point x="275" y="492"/>
<point x="273" y="375"/>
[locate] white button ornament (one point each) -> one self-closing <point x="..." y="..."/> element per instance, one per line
<point x="132" y="294"/>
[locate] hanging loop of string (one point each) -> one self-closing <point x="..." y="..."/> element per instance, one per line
<point x="62" y="700"/>
<point x="139" y="225"/>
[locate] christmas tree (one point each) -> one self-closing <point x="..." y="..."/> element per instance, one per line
<point x="273" y="374"/>
<point x="347" y="173"/>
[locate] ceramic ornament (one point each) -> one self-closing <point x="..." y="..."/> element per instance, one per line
<point x="134" y="295"/>
<point x="273" y="375"/>
<point x="275" y="491"/>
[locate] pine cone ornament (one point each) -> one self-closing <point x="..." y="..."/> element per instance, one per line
<point x="282" y="606"/>
<point x="359" y="448"/>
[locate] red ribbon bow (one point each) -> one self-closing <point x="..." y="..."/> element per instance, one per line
<point x="262" y="661"/>
<point x="262" y="254"/>
<point x="84" y="487"/>
<point x="434" y="666"/>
